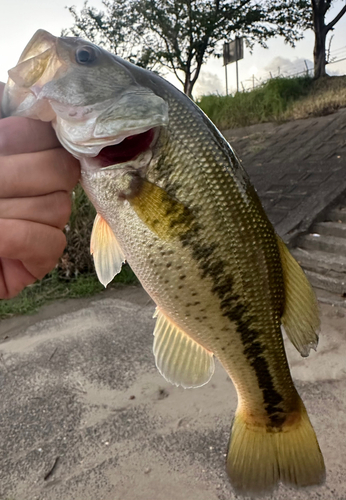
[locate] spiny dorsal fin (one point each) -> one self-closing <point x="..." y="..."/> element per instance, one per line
<point x="181" y="360"/>
<point x="28" y="72"/>
<point x="300" y="318"/>
<point x="108" y="256"/>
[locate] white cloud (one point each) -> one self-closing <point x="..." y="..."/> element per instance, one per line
<point x="208" y="83"/>
<point x="335" y="71"/>
<point x="287" y="67"/>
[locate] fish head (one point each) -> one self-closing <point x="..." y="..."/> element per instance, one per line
<point x="97" y="106"/>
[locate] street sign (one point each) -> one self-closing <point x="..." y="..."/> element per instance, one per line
<point x="233" y="51"/>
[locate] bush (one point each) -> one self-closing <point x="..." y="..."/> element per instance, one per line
<point x="265" y="103"/>
<point x="77" y="258"/>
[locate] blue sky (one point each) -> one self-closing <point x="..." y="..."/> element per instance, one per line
<point x="21" y="18"/>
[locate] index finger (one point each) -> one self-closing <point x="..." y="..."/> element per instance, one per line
<point x="23" y="135"/>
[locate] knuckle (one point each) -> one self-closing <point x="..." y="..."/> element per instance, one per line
<point x="16" y="237"/>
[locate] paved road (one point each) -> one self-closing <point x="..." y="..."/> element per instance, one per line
<point x="79" y="389"/>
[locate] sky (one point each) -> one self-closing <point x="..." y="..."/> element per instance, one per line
<point x="21" y="18"/>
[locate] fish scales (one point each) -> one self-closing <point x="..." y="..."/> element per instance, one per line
<point x="174" y="201"/>
<point x="216" y="170"/>
<point x="224" y="227"/>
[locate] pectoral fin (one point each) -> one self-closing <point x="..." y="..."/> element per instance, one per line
<point x="180" y="359"/>
<point x="108" y="256"/>
<point x="300" y="318"/>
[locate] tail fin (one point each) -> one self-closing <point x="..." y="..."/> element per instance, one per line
<point x="259" y="457"/>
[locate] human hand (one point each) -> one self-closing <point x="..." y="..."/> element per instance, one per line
<point x="36" y="178"/>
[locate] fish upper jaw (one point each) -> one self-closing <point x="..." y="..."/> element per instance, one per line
<point x="87" y="138"/>
<point x="86" y="130"/>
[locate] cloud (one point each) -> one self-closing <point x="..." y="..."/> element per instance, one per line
<point x="282" y="66"/>
<point x="208" y="83"/>
<point x="278" y="66"/>
<point x="334" y="71"/>
<point x="288" y="67"/>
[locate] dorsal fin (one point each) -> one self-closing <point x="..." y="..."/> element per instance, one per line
<point x="300" y="318"/>
<point x="180" y="359"/>
<point x="28" y="72"/>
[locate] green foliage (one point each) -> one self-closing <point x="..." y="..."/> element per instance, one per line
<point x="266" y="103"/>
<point x="76" y="258"/>
<point x="183" y="34"/>
<point x="117" y="30"/>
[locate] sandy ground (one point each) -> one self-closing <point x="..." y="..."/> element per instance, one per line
<point x="79" y="390"/>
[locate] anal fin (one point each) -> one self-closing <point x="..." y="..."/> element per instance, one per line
<point x="180" y="359"/>
<point x="108" y="256"/>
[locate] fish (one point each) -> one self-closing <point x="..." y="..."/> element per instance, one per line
<point x="174" y="201"/>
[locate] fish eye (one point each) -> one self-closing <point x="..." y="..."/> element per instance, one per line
<point x="85" y="55"/>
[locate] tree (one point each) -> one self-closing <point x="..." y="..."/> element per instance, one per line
<point x="319" y="11"/>
<point x="117" y="30"/>
<point x="182" y="34"/>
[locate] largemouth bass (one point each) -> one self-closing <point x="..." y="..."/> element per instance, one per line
<point x="174" y="201"/>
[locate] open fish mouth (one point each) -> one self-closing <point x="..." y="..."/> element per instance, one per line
<point x="128" y="149"/>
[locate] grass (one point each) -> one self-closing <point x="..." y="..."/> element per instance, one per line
<point x="326" y="96"/>
<point x="53" y="287"/>
<point x="279" y="99"/>
<point x="77" y="258"/>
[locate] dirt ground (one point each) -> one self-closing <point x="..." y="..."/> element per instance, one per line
<point x="85" y="415"/>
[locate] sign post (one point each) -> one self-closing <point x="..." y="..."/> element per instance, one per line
<point x="232" y="52"/>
